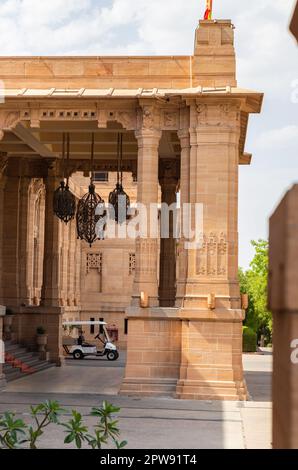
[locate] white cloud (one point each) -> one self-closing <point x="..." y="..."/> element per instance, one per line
<point x="276" y="138"/>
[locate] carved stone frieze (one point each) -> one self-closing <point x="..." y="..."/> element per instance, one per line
<point x="216" y="115"/>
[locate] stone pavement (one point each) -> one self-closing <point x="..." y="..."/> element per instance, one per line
<point x="152" y="423"/>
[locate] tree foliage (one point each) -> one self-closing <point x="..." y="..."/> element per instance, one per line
<point x="254" y="282"/>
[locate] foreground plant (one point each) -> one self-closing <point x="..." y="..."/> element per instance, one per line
<point x="43" y="415"/>
<point x="104" y="431"/>
<point x="16" y="434"/>
<point x="12" y="431"/>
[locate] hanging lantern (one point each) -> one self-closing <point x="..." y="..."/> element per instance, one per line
<point x="64" y="202"/>
<point x="90" y="212"/>
<point x="118" y="198"/>
<point x="121" y="204"/>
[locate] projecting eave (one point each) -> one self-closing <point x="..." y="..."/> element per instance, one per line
<point x="252" y="101"/>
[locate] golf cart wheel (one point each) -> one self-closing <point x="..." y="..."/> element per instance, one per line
<point x="78" y="354"/>
<point x="112" y="355"/>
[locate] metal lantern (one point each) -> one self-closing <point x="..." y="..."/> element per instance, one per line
<point x="121" y="204"/>
<point x="118" y="198"/>
<point x="64" y="202"/>
<point x="90" y="212"/>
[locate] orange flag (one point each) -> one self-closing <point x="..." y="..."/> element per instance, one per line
<point x="208" y="12"/>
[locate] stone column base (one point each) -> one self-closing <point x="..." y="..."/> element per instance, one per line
<point x="193" y="354"/>
<point x="158" y="387"/>
<point x="211" y="390"/>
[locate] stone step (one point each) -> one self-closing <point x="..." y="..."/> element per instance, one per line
<point x="14" y="373"/>
<point x="23" y="356"/>
<point x="27" y="358"/>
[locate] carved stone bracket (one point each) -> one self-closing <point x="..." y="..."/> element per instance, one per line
<point x="8" y="120"/>
<point x="127" y="118"/>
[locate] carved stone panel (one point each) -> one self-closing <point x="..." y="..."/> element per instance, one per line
<point x="94" y="261"/>
<point x="212" y="255"/>
<point x="132" y="263"/>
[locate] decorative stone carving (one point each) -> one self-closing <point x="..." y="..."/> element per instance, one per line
<point x="94" y="261"/>
<point x="216" y="115"/>
<point x="202" y="256"/>
<point x="148" y="118"/>
<point x="127" y="119"/>
<point x="147" y="249"/>
<point x="132" y="263"/>
<point x="222" y="251"/>
<point x="212" y="255"/>
<point x="8" y="120"/>
<point x="170" y="120"/>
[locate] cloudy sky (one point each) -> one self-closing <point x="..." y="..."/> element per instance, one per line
<point x="267" y="61"/>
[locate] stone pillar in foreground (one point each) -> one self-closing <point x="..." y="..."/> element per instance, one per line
<point x="211" y="314"/>
<point x="283" y="302"/>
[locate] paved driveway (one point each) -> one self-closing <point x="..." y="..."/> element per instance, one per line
<point x="152" y="423"/>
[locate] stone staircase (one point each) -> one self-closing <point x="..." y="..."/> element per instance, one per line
<point x="19" y="362"/>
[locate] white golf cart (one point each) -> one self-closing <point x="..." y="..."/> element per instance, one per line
<point x="78" y="348"/>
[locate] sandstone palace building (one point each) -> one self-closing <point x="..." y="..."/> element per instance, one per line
<point x="184" y="121"/>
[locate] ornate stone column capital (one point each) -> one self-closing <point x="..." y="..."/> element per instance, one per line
<point x="148" y="122"/>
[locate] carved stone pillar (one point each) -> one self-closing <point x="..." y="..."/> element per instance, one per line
<point x="15" y="233"/>
<point x="168" y="178"/>
<point x="211" y="359"/>
<point x="3" y="164"/>
<point x="51" y="290"/>
<point x="148" y="137"/>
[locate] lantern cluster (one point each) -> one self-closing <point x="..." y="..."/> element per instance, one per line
<point x="90" y="212"/>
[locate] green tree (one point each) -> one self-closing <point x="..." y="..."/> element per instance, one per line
<point x="254" y="282"/>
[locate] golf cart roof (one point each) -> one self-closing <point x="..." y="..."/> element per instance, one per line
<point x="81" y="323"/>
